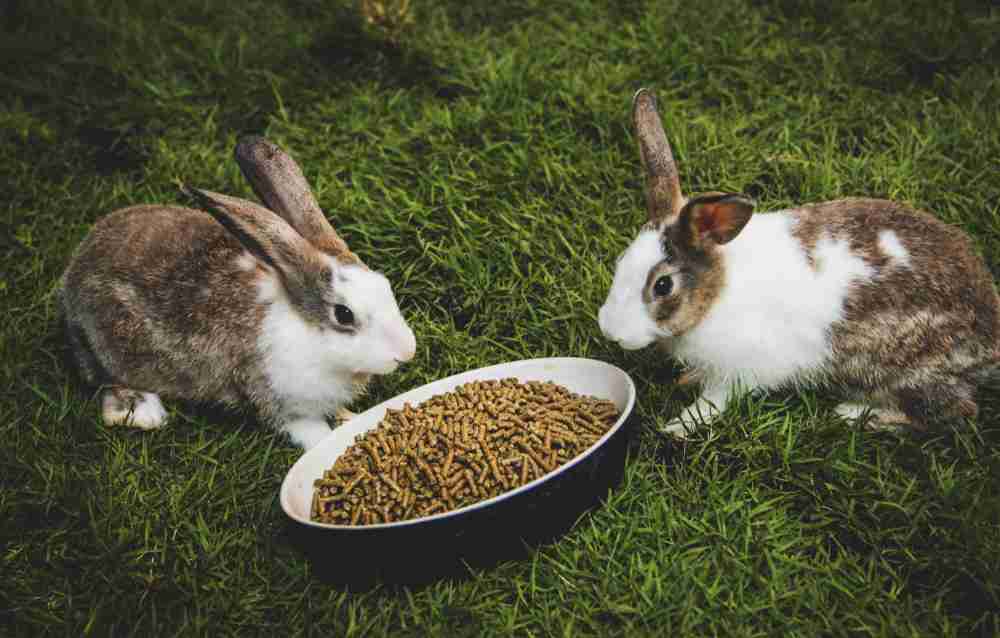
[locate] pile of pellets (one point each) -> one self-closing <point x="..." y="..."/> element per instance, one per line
<point x="458" y="448"/>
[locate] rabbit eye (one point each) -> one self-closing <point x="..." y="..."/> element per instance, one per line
<point x="663" y="286"/>
<point x="343" y="315"/>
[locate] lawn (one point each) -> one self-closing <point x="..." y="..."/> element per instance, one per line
<point x="481" y="155"/>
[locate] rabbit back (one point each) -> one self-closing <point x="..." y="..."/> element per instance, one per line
<point x="164" y="299"/>
<point x="928" y="307"/>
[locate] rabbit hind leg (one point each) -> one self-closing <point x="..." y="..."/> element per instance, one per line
<point x="882" y="418"/>
<point x="946" y="399"/>
<point x="124" y="406"/>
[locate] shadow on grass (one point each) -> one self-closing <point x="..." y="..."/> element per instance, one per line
<point x="75" y="94"/>
<point x="114" y="151"/>
<point x="903" y="504"/>
<point x="350" y="51"/>
<point x="930" y="543"/>
<point x="474" y="17"/>
<point x="105" y="113"/>
<point x="912" y="504"/>
<point x="898" y="45"/>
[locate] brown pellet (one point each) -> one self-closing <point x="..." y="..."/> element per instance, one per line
<point x="454" y="480"/>
<point x="458" y="448"/>
<point x="388" y="481"/>
<point x="496" y="472"/>
<point x="470" y="480"/>
<point x="447" y="461"/>
<point x="360" y="476"/>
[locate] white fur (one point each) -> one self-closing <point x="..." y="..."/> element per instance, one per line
<point x="306" y="432"/>
<point x="624" y="317"/>
<point x="147" y="413"/>
<point x="770" y="325"/>
<point x="245" y="261"/>
<point x="706" y="407"/>
<point x="300" y="364"/>
<point x="314" y="369"/>
<point x="386" y="340"/>
<point x="888" y="243"/>
<point x="875" y="418"/>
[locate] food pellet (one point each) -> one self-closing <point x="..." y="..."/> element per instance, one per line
<point x="480" y="440"/>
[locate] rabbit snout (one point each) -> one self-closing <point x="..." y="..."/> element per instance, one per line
<point x="402" y="341"/>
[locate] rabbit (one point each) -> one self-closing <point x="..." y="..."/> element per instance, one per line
<point x="885" y="306"/>
<point x="235" y="304"/>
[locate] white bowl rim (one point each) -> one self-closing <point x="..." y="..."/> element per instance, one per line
<point x="286" y="485"/>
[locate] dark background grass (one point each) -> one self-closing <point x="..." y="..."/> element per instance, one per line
<point x="484" y="160"/>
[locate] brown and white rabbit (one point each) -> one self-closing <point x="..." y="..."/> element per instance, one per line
<point x="239" y="305"/>
<point x="886" y="305"/>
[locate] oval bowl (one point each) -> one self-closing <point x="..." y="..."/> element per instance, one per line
<point x="501" y="528"/>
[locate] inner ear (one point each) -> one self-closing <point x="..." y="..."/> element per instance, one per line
<point x="718" y="217"/>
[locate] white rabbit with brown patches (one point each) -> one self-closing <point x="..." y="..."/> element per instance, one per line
<point x="884" y="305"/>
<point x="238" y="305"/>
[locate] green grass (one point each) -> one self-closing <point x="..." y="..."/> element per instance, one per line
<point x="486" y="164"/>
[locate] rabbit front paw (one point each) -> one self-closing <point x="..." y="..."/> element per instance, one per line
<point x="703" y="411"/>
<point x="306" y="432"/>
<point x="343" y="415"/>
<point x="679" y="428"/>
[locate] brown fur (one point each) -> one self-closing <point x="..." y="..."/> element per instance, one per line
<point x="279" y="182"/>
<point x="301" y="267"/>
<point x="154" y="300"/>
<point x="690" y="376"/>
<point x="694" y="255"/>
<point x="717" y="218"/>
<point x="689" y="236"/>
<point x="920" y="337"/>
<point x="663" y="190"/>
<point x="914" y="341"/>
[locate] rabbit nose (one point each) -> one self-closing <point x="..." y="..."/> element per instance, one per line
<point x="602" y="321"/>
<point x="409" y="347"/>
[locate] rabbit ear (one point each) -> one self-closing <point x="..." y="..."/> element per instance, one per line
<point x="716" y="218"/>
<point x="663" y="189"/>
<point x="279" y="182"/>
<point x="267" y="236"/>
